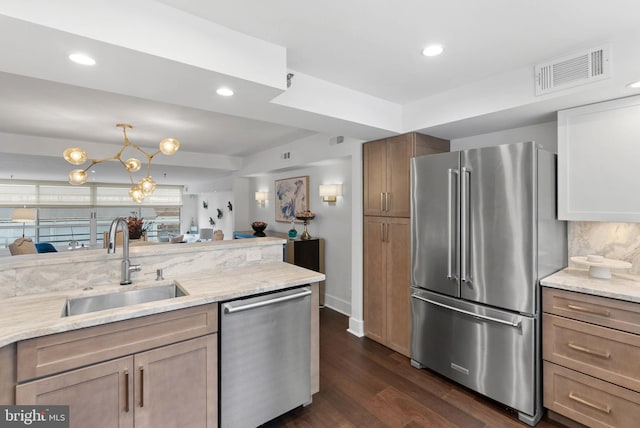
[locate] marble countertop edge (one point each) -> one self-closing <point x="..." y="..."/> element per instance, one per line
<point x="93" y="254"/>
<point x="621" y="286"/>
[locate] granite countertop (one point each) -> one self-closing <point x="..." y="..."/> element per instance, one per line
<point x="620" y="286"/>
<point x="25" y="317"/>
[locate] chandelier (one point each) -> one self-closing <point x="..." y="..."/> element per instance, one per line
<point x="144" y="187"/>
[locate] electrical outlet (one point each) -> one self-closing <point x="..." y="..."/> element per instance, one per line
<point x="286" y="155"/>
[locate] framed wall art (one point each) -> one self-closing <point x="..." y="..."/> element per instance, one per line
<point x="292" y="194"/>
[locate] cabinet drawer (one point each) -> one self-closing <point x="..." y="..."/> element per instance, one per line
<point x="609" y="354"/>
<point x="46" y="355"/>
<point x="588" y="400"/>
<point x="607" y="312"/>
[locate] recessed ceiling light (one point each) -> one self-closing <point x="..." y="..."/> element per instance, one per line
<point x="634" y="85"/>
<point x="83" y="59"/>
<point x="225" y="92"/>
<point x="432" y="50"/>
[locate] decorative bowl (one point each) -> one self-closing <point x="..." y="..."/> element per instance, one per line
<point x="305" y="215"/>
<point x="259" y="227"/>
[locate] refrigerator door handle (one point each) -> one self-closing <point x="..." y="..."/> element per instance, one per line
<point x="451" y="246"/>
<point x="464" y="223"/>
<point x="516" y="324"/>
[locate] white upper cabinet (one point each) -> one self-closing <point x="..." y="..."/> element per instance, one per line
<point x="599" y="162"/>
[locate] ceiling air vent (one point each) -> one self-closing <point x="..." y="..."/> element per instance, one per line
<point x="573" y="70"/>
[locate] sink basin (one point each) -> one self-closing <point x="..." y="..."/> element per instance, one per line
<point x="83" y="305"/>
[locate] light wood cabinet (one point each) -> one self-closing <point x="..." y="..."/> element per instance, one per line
<point x="98" y="396"/>
<point x="128" y="373"/>
<point x="178" y="385"/>
<point x="8" y="377"/>
<point x="169" y="386"/>
<point x="386" y="281"/>
<point x="591" y="349"/>
<point x="386" y="171"/>
<point x="387" y="244"/>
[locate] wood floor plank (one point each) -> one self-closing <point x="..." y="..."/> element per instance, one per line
<point x="364" y="384"/>
<point x="406" y="411"/>
<point x="491" y="416"/>
<point x="372" y="363"/>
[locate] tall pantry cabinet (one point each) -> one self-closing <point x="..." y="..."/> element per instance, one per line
<point x="387" y="239"/>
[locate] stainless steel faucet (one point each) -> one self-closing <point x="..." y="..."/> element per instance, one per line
<point x="126" y="266"/>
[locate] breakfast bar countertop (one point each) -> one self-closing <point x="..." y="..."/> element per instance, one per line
<point x="620" y="286"/>
<point x="25" y="317"/>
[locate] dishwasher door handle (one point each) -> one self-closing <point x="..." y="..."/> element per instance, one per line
<point x="229" y="308"/>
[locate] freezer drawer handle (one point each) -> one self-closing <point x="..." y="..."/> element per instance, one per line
<point x="601" y="407"/>
<point x="230" y="309"/>
<point x="516" y="324"/>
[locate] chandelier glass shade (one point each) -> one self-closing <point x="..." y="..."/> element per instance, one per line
<point x="139" y="190"/>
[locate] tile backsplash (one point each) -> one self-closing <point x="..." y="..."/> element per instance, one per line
<point x="620" y="241"/>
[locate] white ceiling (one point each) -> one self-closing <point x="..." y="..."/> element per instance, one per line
<point x="357" y="70"/>
<point x="373" y="46"/>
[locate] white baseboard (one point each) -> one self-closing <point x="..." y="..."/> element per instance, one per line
<point x="356" y="327"/>
<point x="338" y="305"/>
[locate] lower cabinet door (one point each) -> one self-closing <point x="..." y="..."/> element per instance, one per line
<point x="386" y="278"/>
<point x="177" y="385"/>
<point x="398" y="280"/>
<point x="98" y="396"/>
<point x="174" y="386"/>
<point x="375" y="280"/>
<point x="588" y="400"/>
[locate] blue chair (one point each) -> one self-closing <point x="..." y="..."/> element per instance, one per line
<point x="45" y="247"/>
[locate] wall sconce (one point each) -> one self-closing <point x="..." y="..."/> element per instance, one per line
<point x="330" y="192"/>
<point x="23" y="215"/>
<point x="261" y="198"/>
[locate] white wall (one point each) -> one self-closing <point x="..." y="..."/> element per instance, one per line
<point x="193" y="210"/>
<point x="332" y="223"/>
<point x="189" y="212"/>
<point x="325" y="161"/>
<point x="216" y="200"/>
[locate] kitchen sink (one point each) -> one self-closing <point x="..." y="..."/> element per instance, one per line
<point x="117" y="299"/>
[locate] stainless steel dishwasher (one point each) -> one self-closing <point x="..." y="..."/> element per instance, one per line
<point x="264" y="357"/>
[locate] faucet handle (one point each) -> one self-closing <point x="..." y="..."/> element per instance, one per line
<point x="135" y="268"/>
<point x="159" y="276"/>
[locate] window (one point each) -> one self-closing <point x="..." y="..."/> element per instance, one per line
<point x="78" y="215"/>
<point x="61" y="226"/>
<point x="10" y="231"/>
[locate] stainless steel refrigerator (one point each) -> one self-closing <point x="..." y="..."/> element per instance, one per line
<point x="484" y="232"/>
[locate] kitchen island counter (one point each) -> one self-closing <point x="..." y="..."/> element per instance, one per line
<point x="25" y="317"/>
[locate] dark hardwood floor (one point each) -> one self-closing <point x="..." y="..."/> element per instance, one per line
<point x="364" y="384"/>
